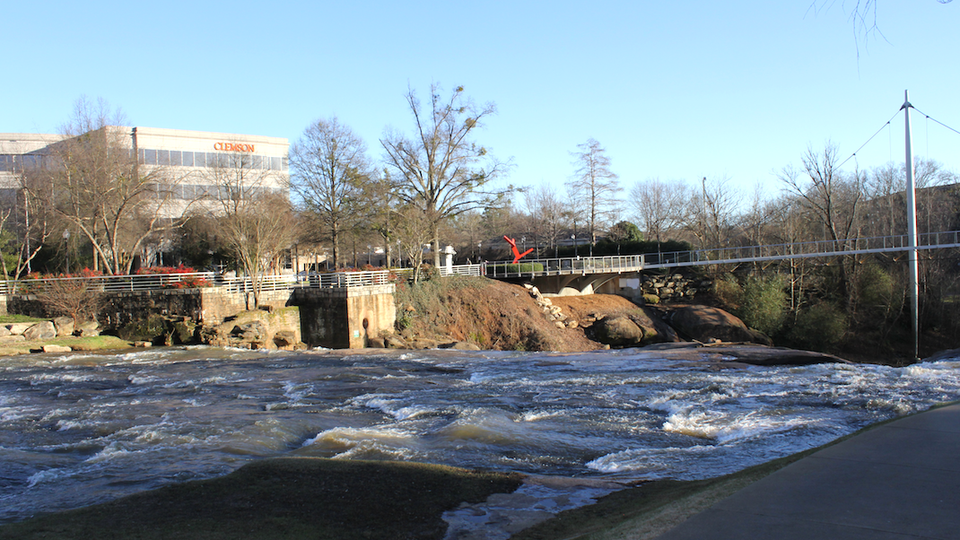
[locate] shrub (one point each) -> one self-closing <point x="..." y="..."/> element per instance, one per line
<point x="79" y="296"/>
<point x="517" y="268"/>
<point x="185" y="282"/>
<point x="876" y="288"/>
<point x="819" y="327"/>
<point x="763" y="303"/>
<point x="728" y="291"/>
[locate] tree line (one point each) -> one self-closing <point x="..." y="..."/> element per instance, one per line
<point x="436" y="184"/>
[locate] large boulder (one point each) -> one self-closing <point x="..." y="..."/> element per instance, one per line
<point x="654" y="329"/>
<point x="64" y="325"/>
<point x="17" y="329"/>
<point x="88" y="329"/>
<point x="617" y="331"/>
<point x="708" y="324"/>
<point x="256" y="329"/>
<point x="285" y="339"/>
<point x="41" y="330"/>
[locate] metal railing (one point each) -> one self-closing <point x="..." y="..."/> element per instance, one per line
<point x="497" y="270"/>
<point x="731" y="255"/>
<point x="564" y="266"/>
<point x="799" y="250"/>
<point x="194" y="280"/>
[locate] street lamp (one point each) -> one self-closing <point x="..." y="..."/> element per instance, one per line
<point x="66" y="247"/>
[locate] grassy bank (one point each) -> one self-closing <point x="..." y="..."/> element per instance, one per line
<point x="97" y="343"/>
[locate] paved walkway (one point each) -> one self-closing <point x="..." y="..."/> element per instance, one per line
<point x="895" y="482"/>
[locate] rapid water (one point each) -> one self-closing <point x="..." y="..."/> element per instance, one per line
<point x="84" y="428"/>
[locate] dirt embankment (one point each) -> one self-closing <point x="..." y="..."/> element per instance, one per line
<point x="485" y="314"/>
<point x="491" y="314"/>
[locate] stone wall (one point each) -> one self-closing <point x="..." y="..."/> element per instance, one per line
<point x="120" y="309"/>
<point x="218" y="303"/>
<point x="334" y="318"/>
<point x="657" y="288"/>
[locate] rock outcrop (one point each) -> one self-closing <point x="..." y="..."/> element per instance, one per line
<point x="257" y="329"/>
<point x="618" y="331"/>
<point x="708" y="325"/>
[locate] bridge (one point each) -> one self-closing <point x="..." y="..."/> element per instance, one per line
<point x="589" y="273"/>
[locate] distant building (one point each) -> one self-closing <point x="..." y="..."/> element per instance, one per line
<point x="190" y="160"/>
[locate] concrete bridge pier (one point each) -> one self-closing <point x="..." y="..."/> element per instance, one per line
<point x="346" y="318"/>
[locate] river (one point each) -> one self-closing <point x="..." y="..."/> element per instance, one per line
<point x="78" y="429"/>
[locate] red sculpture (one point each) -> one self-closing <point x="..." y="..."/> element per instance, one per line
<point x="516" y="252"/>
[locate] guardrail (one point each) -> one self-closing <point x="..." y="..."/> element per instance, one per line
<point x="635" y="263"/>
<point x="799" y="250"/>
<point x="498" y="270"/>
<point x="564" y="266"/>
<point x="153" y="282"/>
<point x="193" y="280"/>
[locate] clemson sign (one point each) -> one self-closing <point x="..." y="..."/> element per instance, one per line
<point x="232" y="147"/>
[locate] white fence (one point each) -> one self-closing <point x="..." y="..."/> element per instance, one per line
<point x="153" y="282"/>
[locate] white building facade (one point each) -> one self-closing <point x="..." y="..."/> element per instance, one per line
<point x="192" y="164"/>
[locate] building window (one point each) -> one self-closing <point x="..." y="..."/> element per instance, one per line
<point x="149" y="157"/>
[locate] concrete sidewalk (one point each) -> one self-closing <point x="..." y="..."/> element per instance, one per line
<point x="898" y="481"/>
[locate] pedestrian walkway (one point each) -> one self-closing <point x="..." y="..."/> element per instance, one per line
<point x="898" y="481"/>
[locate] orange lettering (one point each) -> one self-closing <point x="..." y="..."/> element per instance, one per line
<point x="233" y="147"/>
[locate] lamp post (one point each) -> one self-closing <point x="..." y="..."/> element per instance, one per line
<point x="66" y="248"/>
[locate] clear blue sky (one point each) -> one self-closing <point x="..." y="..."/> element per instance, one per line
<point x="675" y="90"/>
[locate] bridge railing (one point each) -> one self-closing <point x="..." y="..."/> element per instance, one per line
<point x="193" y="280"/>
<point x="878" y="244"/>
<point x="561" y="266"/>
<point x="501" y="269"/>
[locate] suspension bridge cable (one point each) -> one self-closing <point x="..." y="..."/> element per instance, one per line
<point x="887" y="123"/>
<point x="937" y="121"/>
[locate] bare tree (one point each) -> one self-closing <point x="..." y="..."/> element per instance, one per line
<point x="712" y="212"/>
<point x="413" y="233"/>
<point x="255" y="217"/>
<point x="546" y="213"/>
<point x="329" y="168"/>
<point x="92" y="181"/>
<point x="660" y="207"/>
<point x="832" y="199"/>
<point x="380" y="212"/>
<point x="24" y="227"/>
<point x="594" y="181"/>
<point x="863" y="16"/>
<point x="444" y="172"/>
<point x="885" y="211"/>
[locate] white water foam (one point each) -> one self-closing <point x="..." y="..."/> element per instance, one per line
<point x="366" y="443"/>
